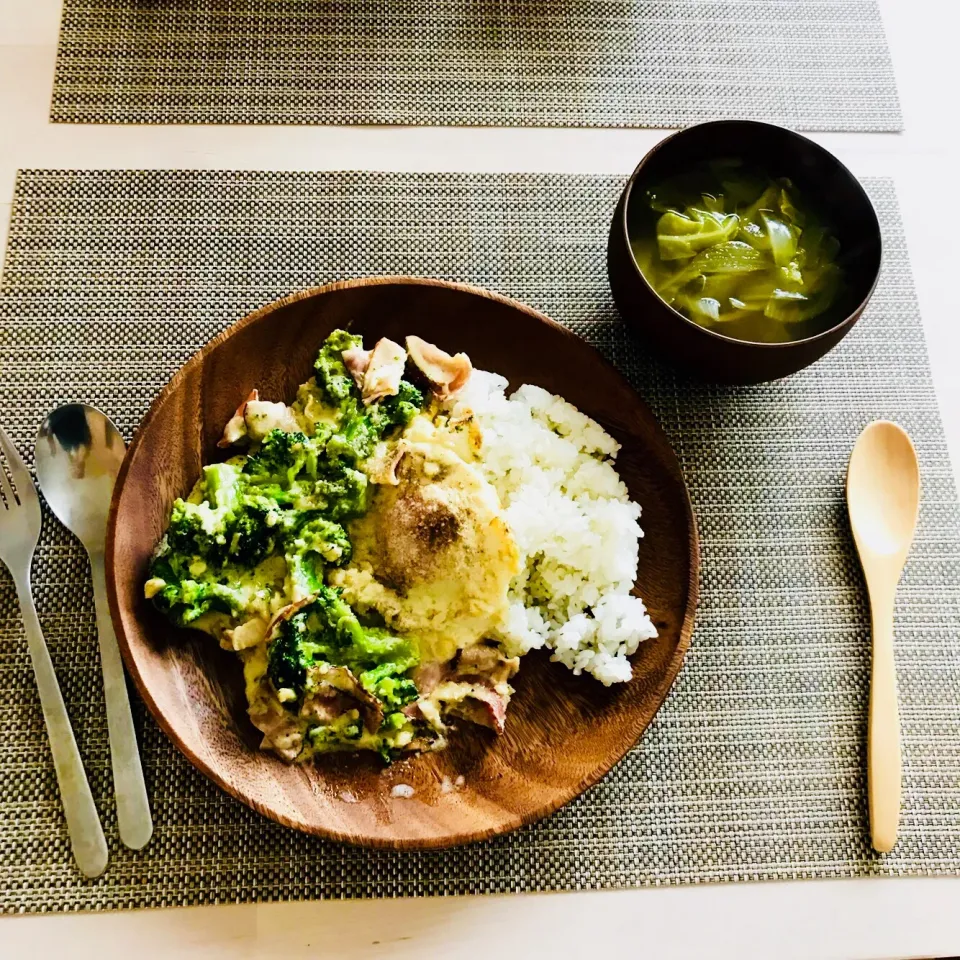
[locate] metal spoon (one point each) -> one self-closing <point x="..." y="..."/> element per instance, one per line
<point x="78" y="454"/>
<point x="883" y="498"/>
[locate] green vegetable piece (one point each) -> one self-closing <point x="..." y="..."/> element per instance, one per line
<point x="185" y="601"/>
<point x="398" y="410"/>
<point x="734" y="256"/>
<point x="766" y="201"/>
<point x="362" y="427"/>
<point x="388" y="685"/>
<point x="331" y="373"/>
<point x="700" y="308"/>
<point x="788" y="306"/>
<point x="281" y="458"/>
<point x="305" y="572"/>
<point x="328" y="631"/>
<point x="683" y="235"/>
<point x="790" y="276"/>
<point x="711" y="203"/>
<point x="754" y="234"/>
<point x="307" y="531"/>
<point x="720" y="286"/>
<point x="341" y="492"/>
<point x="221" y="484"/>
<point x="783" y="238"/>
<point x="755" y="290"/>
<point x="251" y="535"/>
<point x="197" y="530"/>
<point x="787" y="206"/>
<point x="290" y="654"/>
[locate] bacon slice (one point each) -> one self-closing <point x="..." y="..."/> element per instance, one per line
<point x="473" y="686"/>
<point x="236" y="428"/>
<point x="384" y="371"/>
<point x="262" y="416"/>
<point x="446" y="374"/>
<point x="281" y="730"/>
<point x="483" y="706"/>
<point x="255" y="418"/>
<point x="329" y="680"/>
<point x="356" y="360"/>
<point x="486" y="663"/>
<point x="377" y="372"/>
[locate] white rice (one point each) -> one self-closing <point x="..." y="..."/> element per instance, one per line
<point x="573" y="521"/>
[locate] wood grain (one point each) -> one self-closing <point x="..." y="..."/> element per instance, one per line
<point x="563" y="732"/>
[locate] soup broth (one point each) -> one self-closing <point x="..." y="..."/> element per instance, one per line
<point x="737" y="252"/>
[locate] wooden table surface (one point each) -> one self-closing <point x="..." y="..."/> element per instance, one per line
<point x="808" y="919"/>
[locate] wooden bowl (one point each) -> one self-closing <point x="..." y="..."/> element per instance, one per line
<point x="563" y="732"/>
<point x="819" y="176"/>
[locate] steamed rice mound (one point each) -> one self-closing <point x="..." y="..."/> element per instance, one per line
<point x="573" y="521"/>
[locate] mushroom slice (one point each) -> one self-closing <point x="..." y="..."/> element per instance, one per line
<point x="446" y="374"/>
<point x="382" y="376"/>
<point x="356" y="360"/>
<point x="285" y="613"/>
<point x="236" y="428"/>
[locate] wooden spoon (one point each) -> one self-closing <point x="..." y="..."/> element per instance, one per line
<point x="883" y="499"/>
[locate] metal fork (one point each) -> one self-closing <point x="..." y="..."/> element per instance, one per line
<point x="19" y="533"/>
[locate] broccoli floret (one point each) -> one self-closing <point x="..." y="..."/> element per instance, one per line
<point x="327" y="630"/>
<point x="289" y="656"/>
<point x="361" y="428"/>
<point x="221" y="486"/>
<point x="252" y="536"/>
<point x="217" y="536"/>
<point x="196" y="529"/>
<point x="332" y="622"/>
<point x="313" y="635"/>
<point x="388" y="685"/>
<point x="396" y="411"/>
<point x="306" y="531"/>
<point x="305" y="572"/>
<point x="185" y="601"/>
<point x="340" y="492"/>
<point x="310" y="541"/>
<point x="281" y="457"/>
<point x="275" y="493"/>
<point x="355" y="437"/>
<point x="332" y="376"/>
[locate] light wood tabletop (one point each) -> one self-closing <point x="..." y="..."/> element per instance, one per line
<point x="852" y="918"/>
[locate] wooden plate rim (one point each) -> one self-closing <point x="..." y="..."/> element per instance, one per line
<point x="412" y="843"/>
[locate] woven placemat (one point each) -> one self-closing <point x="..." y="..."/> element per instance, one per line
<point x="808" y="64"/>
<point x="754" y="766"/>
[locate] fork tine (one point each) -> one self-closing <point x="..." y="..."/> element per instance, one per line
<point x="5" y="486"/>
<point x="18" y="471"/>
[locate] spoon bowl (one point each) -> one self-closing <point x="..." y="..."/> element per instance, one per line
<point x="78" y="455"/>
<point x="883" y="485"/>
<point x="883" y="500"/>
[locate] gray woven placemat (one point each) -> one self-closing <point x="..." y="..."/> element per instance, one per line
<point x="808" y="64"/>
<point x="754" y="766"/>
